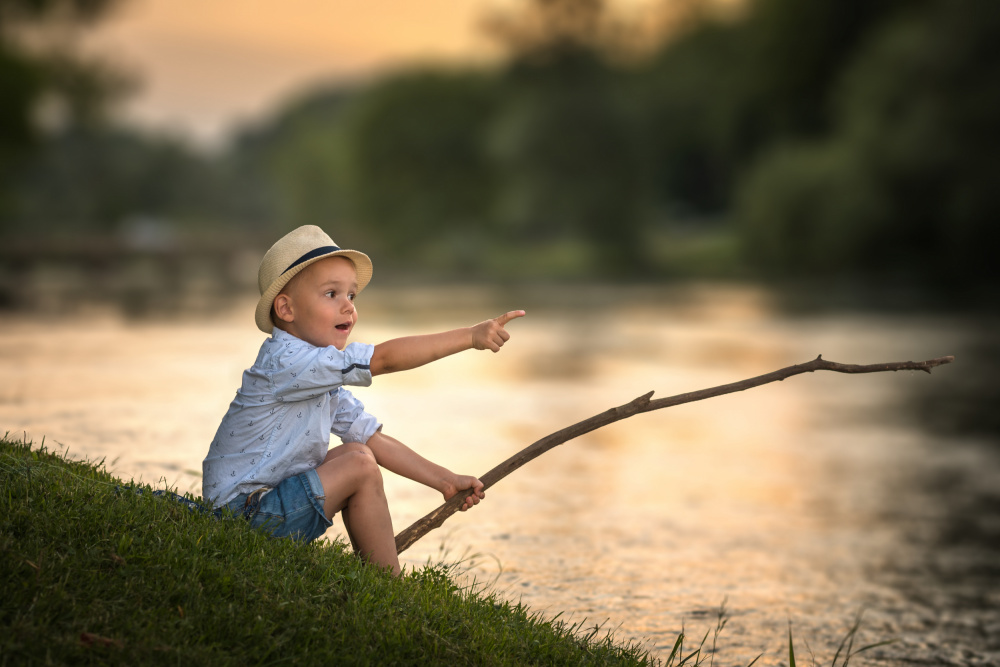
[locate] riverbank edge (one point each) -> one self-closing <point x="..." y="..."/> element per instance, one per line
<point x="94" y="573"/>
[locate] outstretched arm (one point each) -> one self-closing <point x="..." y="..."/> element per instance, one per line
<point x="401" y="354"/>
<point x="397" y="457"/>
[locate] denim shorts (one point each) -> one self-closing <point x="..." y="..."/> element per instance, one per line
<point x="292" y="509"/>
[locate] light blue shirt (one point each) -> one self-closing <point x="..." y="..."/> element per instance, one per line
<point x="280" y="422"/>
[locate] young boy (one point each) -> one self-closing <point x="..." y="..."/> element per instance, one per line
<point x="270" y="460"/>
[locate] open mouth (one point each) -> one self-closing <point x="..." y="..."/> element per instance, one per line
<point x="343" y="327"/>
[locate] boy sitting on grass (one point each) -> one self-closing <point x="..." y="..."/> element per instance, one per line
<point x="270" y="460"/>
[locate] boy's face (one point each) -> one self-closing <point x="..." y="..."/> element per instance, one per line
<point x="317" y="305"/>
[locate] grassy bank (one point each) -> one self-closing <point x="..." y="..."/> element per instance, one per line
<point x="92" y="573"/>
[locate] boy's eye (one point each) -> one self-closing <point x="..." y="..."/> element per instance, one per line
<point x="351" y="295"/>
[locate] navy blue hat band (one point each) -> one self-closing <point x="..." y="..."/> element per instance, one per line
<point x="310" y="255"/>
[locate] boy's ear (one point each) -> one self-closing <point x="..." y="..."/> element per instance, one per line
<point x="283" y="308"/>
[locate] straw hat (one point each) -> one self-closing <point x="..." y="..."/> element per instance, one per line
<point x="293" y="252"/>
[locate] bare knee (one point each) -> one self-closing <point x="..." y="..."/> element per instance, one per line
<point x="350" y="473"/>
<point x="348" y="448"/>
<point x="362" y="466"/>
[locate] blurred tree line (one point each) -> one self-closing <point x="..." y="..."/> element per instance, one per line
<point x="821" y="138"/>
<point x="46" y="84"/>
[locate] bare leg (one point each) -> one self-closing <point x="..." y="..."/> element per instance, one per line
<point x="345" y="512"/>
<point x="352" y="482"/>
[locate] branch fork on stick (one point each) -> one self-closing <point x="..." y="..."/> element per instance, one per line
<point x="644" y="403"/>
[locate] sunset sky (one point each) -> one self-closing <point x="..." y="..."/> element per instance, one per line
<point x="205" y="66"/>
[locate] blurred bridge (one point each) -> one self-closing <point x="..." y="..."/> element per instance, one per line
<point x="64" y="275"/>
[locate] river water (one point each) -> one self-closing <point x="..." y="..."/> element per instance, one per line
<point x="803" y="502"/>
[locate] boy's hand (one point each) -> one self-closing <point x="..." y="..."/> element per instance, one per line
<point x="491" y="335"/>
<point x="463" y="483"/>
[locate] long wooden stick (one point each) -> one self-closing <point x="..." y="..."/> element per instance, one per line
<point x="641" y="404"/>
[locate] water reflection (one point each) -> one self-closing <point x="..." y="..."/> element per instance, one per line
<point x="802" y="500"/>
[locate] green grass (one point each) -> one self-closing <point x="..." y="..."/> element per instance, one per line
<point x="94" y="574"/>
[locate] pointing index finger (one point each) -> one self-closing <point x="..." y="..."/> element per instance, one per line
<point x="507" y="317"/>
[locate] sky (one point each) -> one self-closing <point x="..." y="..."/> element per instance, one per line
<point x="207" y="66"/>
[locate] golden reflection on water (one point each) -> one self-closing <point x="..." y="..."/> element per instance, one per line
<point x="765" y="498"/>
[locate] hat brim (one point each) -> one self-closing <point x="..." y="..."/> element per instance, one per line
<point x="362" y="265"/>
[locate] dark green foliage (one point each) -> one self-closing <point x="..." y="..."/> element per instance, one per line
<point x="103" y="177"/>
<point x="91" y="573"/>
<point x="907" y="180"/>
<point x="293" y="171"/>
<point x="418" y="166"/>
<point x="568" y="158"/>
<point x="792" y="55"/>
<point x="690" y="121"/>
<point x="76" y="87"/>
<point x="832" y="138"/>
<point x="21" y="84"/>
<point x="813" y="209"/>
<point x="724" y="92"/>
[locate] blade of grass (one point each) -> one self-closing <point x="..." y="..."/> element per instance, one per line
<point x="678" y="645"/>
<point x="697" y="652"/>
<point x="875" y="645"/>
<point x="791" y="648"/>
<point x="850" y="636"/>
<point x="721" y="623"/>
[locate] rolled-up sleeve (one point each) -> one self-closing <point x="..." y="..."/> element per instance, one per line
<point x="303" y="371"/>
<point x="349" y="420"/>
